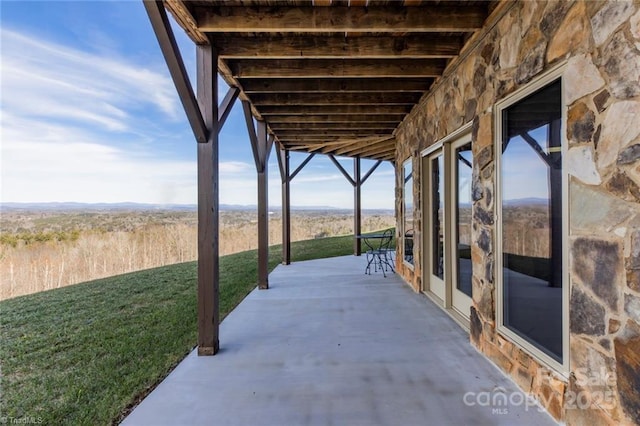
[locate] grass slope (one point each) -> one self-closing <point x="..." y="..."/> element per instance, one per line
<point x="82" y="354"/>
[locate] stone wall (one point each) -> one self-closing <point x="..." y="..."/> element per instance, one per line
<point x="599" y="41"/>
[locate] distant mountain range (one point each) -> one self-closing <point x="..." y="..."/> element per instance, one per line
<point x="72" y="206"/>
<point x="526" y="202"/>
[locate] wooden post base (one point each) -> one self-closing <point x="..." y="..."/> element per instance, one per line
<point x="208" y="351"/>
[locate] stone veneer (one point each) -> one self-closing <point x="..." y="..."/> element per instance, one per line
<point x="600" y="43"/>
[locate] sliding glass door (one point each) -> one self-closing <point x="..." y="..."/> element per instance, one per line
<point x="461" y="270"/>
<point x="447" y="175"/>
<point x="435" y="225"/>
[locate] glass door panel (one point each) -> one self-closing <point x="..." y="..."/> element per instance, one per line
<point x="436" y="226"/>
<point x="462" y="160"/>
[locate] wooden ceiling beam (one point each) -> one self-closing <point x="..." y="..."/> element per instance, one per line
<point x="316" y="147"/>
<point x="381" y="153"/>
<point x="335" y="98"/>
<point x="185" y="19"/>
<point x="328" y="68"/>
<point x="291" y="46"/>
<point x="294" y="144"/>
<point x="386" y="157"/>
<point x="399" y="110"/>
<point x="331" y="132"/>
<point x="366" y="151"/>
<point x="304" y="85"/>
<point x="381" y="147"/>
<point x="297" y="148"/>
<point x="351" y="147"/>
<point x="380" y="19"/>
<point x="372" y="148"/>
<point x="309" y="142"/>
<point x="327" y="118"/>
<point x="341" y="141"/>
<point x="324" y="126"/>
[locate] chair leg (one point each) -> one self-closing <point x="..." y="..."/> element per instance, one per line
<point x="380" y="262"/>
<point x="390" y="263"/>
<point x="370" y="258"/>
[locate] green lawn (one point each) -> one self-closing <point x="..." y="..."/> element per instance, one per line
<point x="84" y="353"/>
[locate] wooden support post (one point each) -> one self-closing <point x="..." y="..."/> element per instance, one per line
<point x="287" y="176"/>
<point x="261" y="147"/>
<point x="208" y="219"/>
<point x="283" y="163"/>
<point x="263" y="209"/>
<point x="206" y="120"/>
<point x="356" y="181"/>
<point x="357" y="206"/>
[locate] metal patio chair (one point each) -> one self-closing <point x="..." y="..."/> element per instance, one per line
<point x="408" y="246"/>
<point x="379" y="255"/>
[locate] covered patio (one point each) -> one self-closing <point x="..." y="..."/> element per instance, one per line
<point x="335" y="78"/>
<point x="328" y="344"/>
<point x="438" y="88"/>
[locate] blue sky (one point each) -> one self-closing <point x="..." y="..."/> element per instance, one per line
<point x="524" y="173"/>
<point x="88" y="113"/>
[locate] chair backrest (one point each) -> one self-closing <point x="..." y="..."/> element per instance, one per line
<point x="385" y="241"/>
<point x="408" y="242"/>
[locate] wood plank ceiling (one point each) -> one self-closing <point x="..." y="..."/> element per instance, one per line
<point x="333" y="77"/>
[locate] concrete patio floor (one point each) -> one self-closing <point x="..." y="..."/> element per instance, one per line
<point x="329" y="345"/>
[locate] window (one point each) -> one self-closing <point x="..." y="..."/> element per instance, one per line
<point x="530" y="229"/>
<point x="408" y="211"/>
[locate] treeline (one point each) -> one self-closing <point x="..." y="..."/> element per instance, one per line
<point x="37" y="260"/>
<point x="27" y="238"/>
<point x="52" y="263"/>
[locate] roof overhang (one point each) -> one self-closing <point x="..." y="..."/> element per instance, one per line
<point x="332" y="77"/>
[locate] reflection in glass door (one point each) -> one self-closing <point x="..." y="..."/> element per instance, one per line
<point x="408" y="212"/>
<point x="531" y="226"/>
<point x="436" y="225"/>
<point x="462" y="162"/>
<point x="448" y="171"/>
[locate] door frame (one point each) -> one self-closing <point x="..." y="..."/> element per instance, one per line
<point x="440" y="293"/>
<point x="442" y="147"/>
<point x="464" y="305"/>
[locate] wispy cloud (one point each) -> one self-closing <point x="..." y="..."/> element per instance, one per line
<point x="74" y="126"/>
<point x="43" y="80"/>
<point x="325" y="177"/>
<point x="230" y="168"/>
<point x="88" y="127"/>
<point x="56" y="163"/>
